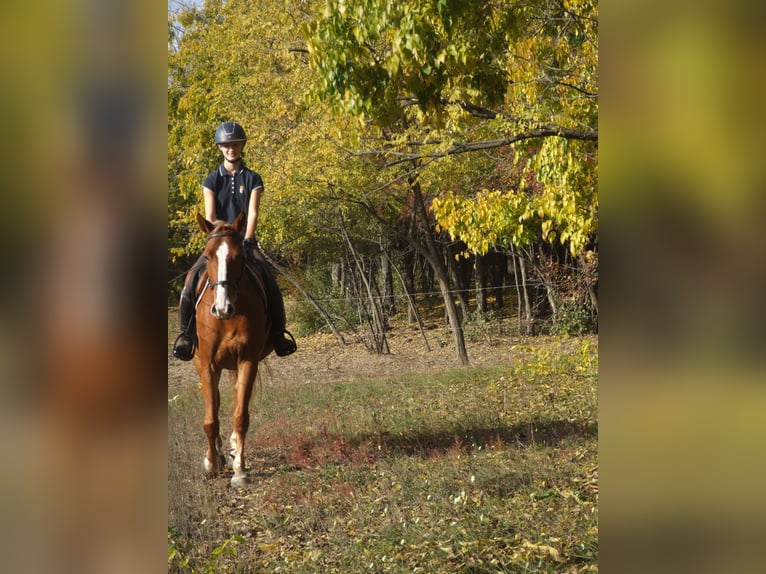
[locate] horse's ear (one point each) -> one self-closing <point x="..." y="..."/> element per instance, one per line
<point x="204" y="224"/>
<point x="239" y="223"/>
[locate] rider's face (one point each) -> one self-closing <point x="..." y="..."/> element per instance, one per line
<point x="231" y="151"/>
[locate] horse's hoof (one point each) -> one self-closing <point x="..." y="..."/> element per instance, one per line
<point x="239" y="481"/>
<point x="209" y="469"/>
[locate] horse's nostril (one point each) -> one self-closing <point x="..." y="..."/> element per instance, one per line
<point x="223" y="312"/>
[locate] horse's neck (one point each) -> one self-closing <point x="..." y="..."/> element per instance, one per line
<point x="252" y="271"/>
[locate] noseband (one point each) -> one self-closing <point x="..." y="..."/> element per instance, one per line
<point x="227" y="282"/>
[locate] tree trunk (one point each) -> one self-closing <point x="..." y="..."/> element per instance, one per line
<point x="335" y="275"/>
<point x="378" y="323"/>
<point x="457" y="277"/>
<point x="499" y="262"/>
<point x="408" y="281"/>
<point x="428" y="249"/>
<point x="481" y="283"/>
<point x="411" y="309"/>
<point x="525" y="292"/>
<point x="434" y="257"/>
<point x="516" y="282"/>
<point x="551" y="294"/>
<point x="522" y="286"/>
<point x="388" y="303"/>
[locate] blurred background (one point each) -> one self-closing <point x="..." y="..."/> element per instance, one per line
<point x="82" y="311"/>
<point x="682" y="385"/>
<point x="82" y="315"/>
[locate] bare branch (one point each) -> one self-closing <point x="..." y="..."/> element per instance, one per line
<point x="465" y="147"/>
<point x="478" y="111"/>
<point x="582" y="91"/>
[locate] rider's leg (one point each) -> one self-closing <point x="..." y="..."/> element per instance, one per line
<point x="185" y="343"/>
<point x="281" y="338"/>
<point x="279" y="335"/>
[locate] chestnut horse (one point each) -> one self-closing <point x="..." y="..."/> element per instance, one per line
<point x="232" y="330"/>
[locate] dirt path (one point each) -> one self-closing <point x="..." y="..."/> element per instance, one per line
<point x="322" y="359"/>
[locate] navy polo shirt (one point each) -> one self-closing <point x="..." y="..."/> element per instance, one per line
<point x="232" y="193"/>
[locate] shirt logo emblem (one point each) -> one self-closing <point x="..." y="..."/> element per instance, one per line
<point x="241" y="189"/>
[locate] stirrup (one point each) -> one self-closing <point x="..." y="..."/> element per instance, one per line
<point x="184" y="347"/>
<point x="284" y="346"/>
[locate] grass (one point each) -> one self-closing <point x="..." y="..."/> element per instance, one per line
<point x="484" y="469"/>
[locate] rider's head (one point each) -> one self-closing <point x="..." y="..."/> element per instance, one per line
<point x="230" y="138"/>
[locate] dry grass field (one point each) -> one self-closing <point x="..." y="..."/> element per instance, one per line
<point x="407" y="462"/>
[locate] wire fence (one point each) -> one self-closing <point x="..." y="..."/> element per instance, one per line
<point x="401" y="296"/>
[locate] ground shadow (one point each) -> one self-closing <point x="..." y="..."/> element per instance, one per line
<point x="525" y="434"/>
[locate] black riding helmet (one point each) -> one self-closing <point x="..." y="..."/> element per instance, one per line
<point x="229" y="132"/>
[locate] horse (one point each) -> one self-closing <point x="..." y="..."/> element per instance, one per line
<point x="232" y="328"/>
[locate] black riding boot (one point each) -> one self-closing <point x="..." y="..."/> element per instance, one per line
<point x="283" y="345"/>
<point x="186" y="342"/>
<point x="281" y="338"/>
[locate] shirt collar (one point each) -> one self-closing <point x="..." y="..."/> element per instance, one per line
<point x="222" y="170"/>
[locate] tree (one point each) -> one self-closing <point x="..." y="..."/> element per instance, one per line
<point x="446" y="78"/>
<point x="428" y="122"/>
<point x="246" y="60"/>
<point x="242" y="60"/>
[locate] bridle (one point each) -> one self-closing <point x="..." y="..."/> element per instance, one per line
<point x="227" y="282"/>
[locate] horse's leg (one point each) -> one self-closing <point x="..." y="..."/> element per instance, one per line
<point x="232" y="447"/>
<point x="233" y="437"/>
<point x="210" y="393"/>
<point x="241" y="418"/>
<point x="219" y="449"/>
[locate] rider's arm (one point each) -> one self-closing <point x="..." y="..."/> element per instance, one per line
<point x="209" y="196"/>
<point x="252" y="212"/>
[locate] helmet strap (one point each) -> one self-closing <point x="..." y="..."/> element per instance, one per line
<point x="235" y="162"/>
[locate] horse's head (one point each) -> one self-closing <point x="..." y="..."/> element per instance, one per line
<point x="225" y="262"/>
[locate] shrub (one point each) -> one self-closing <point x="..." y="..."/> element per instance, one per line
<point x="572" y="319"/>
<point x="303" y="316"/>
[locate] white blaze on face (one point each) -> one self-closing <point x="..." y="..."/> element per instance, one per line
<point x="221" y="292"/>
